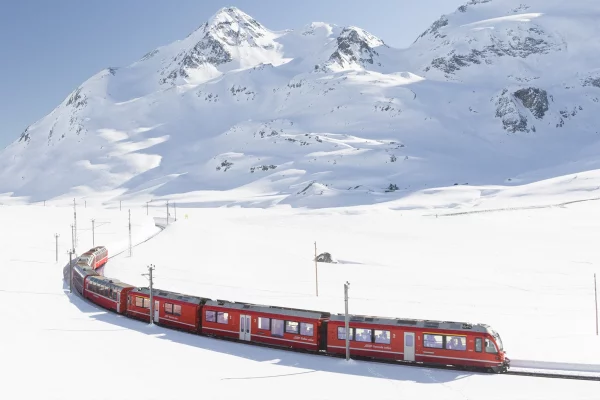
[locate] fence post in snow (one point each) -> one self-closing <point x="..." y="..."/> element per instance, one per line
<point x="175" y="208"/>
<point x="93" y="234"/>
<point x="75" y="223"/>
<point x="130" y="247"/>
<point x="70" y="272"/>
<point x="347" y="321"/>
<point x="72" y="238"/>
<point x="316" y="272"/>
<point x="149" y="274"/>
<point x="56" y="236"/>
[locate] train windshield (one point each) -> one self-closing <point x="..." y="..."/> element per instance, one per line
<point x="498" y="341"/>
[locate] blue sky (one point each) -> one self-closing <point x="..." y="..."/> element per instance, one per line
<point x="48" y="47"/>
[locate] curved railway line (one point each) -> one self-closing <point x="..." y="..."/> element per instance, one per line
<point x="522" y="372"/>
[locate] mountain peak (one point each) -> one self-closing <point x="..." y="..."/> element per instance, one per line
<point x="230" y="15"/>
<point x="355" y="48"/>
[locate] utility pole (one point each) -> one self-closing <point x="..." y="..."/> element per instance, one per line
<point x="56" y="236"/>
<point x="130" y="248"/>
<point x="75" y="221"/>
<point x="149" y="274"/>
<point x="175" y="208"/>
<point x="167" y="212"/>
<point x="70" y="271"/>
<point x="316" y="272"/>
<point x="93" y="234"/>
<point x="147" y="207"/>
<point x="72" y="238"/>
<point x="596" y="297"/>
<point x="347" y="321"/>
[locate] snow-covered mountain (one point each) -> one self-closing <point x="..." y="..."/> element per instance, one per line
<point x="498" y="92"/>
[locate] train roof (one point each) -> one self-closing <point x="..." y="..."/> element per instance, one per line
<point x="417" y="323"/>
<point x="171" y="295"/>
<point x="85" y="270"/>
<point x="103" y="280"/>
<point x="290" y="312"/>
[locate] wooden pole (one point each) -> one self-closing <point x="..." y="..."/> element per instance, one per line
<point x="316" y="272"/>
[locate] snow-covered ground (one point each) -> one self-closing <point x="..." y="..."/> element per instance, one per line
<point x="526" y="272"/>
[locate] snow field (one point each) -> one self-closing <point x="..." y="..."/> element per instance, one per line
<point x="265" y="256"/>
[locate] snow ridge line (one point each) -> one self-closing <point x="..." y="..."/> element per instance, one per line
<point x="511" y="208"/>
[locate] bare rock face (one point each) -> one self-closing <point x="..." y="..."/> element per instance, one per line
<point x="512" y="108"/>
<point x="534" y="99"/>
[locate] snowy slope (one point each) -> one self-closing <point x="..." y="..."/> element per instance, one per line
<point x="499" y="92"/>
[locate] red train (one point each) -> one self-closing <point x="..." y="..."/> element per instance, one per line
<point x="459" y="344"/>
<point x="93" y="258"/>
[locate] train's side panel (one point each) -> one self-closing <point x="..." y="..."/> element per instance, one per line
<point x="365" y="340"/>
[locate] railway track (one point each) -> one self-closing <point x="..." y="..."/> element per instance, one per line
<point x="523" y="372"/>
<point x="162" y="228"/>
<point x="555" y="376"/>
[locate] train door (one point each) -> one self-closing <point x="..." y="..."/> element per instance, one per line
<point x="245" y="327"/>
<point x="409" y="346"/>
<point x="156" y="310"/>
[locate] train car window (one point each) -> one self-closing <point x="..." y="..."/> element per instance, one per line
<point x="409" y="341"/>
<point x="306" y="329"/>
<point x="490" y="347"/>
<point x="146" y="302"/>
<point x="211" y="316"/>
<point x="342" y="333"/>
<point x="478" y="347"/>
<point x="456" y="343"/>
<point x="177" y="309"/>
<point x="363" y="335"/>
<point x="129" y="300"/>
<point x="222" y="317"/>
<point x="291" y="327"/>
<point x="168" y="308"/>
<point x="382" y="336"/>
<point x="264" y="323"/>
<point x="277" y="327"/>
<point x="114" y="294"/>
<point x="433" y="341"/>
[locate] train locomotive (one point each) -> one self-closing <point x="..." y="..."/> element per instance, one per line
<point x="475" y="347"/>
<point x="94" y="258"/>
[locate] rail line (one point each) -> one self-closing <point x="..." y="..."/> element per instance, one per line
<point x="360" y="358"/>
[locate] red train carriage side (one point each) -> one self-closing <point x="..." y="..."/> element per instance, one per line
<point x="100" y="256"/>
<point x="447" y="343"/>
<point x="80" y="273"/>
<point x="170" y="309"/>
<point x="286" y="327"/>
<point x="108" y="293"/>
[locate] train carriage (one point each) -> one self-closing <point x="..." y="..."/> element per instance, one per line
<point x="170" y="309"/>
<point x="286" y="327"/>
<point x="80" y="273"/>
<point x="108" y="293"/>
<point x="94" y="258"/>
<point x="448" y="343"/>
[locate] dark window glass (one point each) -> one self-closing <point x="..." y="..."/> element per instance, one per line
<point x="211" y="316"/>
